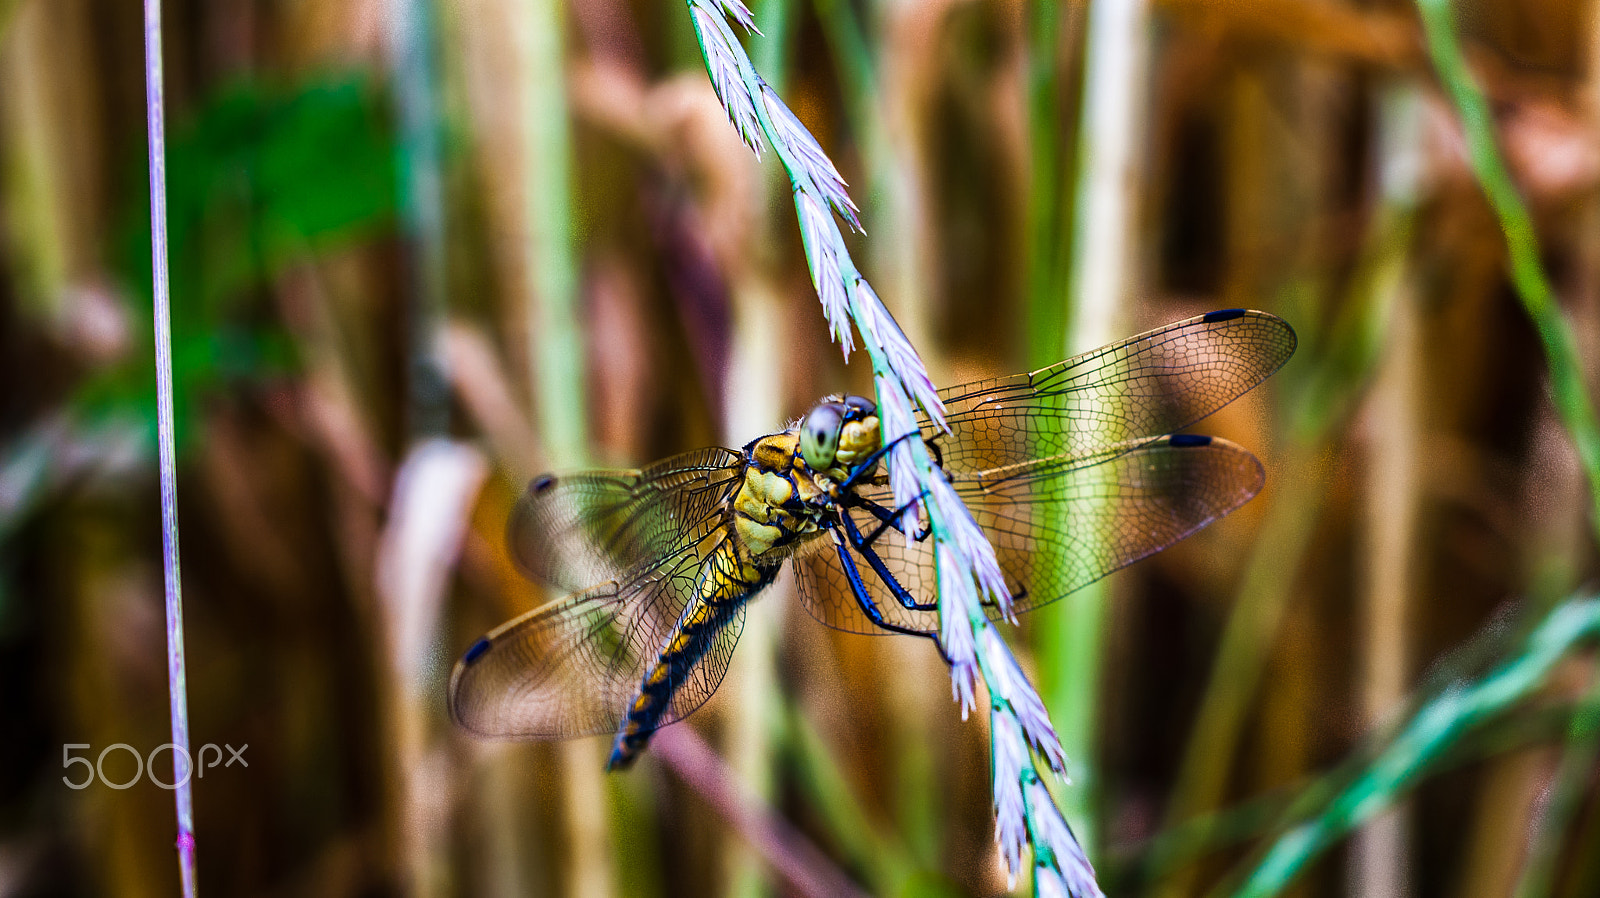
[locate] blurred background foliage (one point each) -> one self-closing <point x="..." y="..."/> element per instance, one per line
<point x="421" y="252"/>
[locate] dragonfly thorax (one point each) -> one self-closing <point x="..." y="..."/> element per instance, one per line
<point x="785" y="498"/>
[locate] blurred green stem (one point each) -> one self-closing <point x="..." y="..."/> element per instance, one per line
<point x="1105" y="201"/>
<point x="1428" y="735"/>
<point x="421" y="198"/>
<point x="1572" y="399"/>
<point x="556" y="351"/>
<point x="554" y="335"/>
<point x="1049" y="199"/>
<point x="886" y="864"/>
<point x="1263" y="814"/>
<point x="848" y="45"/>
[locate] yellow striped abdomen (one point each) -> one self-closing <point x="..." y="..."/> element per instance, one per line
<point x="727" y="580"/>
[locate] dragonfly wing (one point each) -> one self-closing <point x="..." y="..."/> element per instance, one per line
<point x="1057" y="525"/>
<point x="825" y="588"/>
<point x="577" y="530"/>
<point x="573" y="667"/>
<point x="1126" y="393"/>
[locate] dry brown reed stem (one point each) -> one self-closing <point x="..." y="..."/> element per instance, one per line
<point x="1379" y="864"/>
<point x="754" y="388"/>
<point x="554" y="336"/>
<point x="53" y="205"/>
<point x="488" y="51"/>
<point x="787" y="849"/>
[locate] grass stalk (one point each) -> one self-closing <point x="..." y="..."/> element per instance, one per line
<point x="556" y="351"/>
<point x="554" y="333"/>
<point x="421" y="200"/>
<point x="1049" y="200"/>
<point x="171" y="569"/>
<point x="883" y="860"/>
<point x="1378" y="860"/>
<point x="1105" y="202"/>
<point x="35" y="164"/>
<point x="1265" y="814"/>
<point x="1572" y="400"/>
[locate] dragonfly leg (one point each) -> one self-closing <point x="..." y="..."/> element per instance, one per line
<point x="864" y="598"/>
<point x="872" y="460"/>
<point x="864" y="546"/>
<point x="888" y="519"/>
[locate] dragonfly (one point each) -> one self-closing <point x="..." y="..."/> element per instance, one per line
<point x="1072" y="471"/>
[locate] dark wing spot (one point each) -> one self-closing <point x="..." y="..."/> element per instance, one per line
<point x="1188" y="440"/>
<point x="1223" y="315"/>
<point x="542" y="483"/>
<point x="477" y="649"/>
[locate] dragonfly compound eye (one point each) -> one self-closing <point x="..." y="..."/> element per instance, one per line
<point x="861" y="406"/>
<point x="819" y="435"/>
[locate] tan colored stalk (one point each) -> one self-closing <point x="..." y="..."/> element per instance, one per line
<point x="1392" y="495"/>
<point x="47" y="131"/>
<point x="753" y="394"/>
<point x="754" y="390"/>
<point x="556" y="350"/>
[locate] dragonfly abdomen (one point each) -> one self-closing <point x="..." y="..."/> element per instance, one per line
<point x="725" y="585"/>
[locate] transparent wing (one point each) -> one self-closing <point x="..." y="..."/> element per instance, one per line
<point x="1140" y="389"/>
<point x="573" y="667"/>
<point x="633" y="544"/>
<point x="1057" y="524"/>
<point x="576" y="530"/>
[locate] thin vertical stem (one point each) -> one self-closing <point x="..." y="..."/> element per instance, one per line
<point x="421" y="213"/>
<point x="1104" y="193"/>
<point x="1108" y="156"/>
<point x="1378" y="852"/>
<point x="177" y="681"/>
<point x="1049" y="199"/>
<point x="556" y="352"/>
<point x="553" y="330"/>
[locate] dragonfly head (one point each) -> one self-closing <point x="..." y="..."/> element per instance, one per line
<point x="839" y="432"/>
